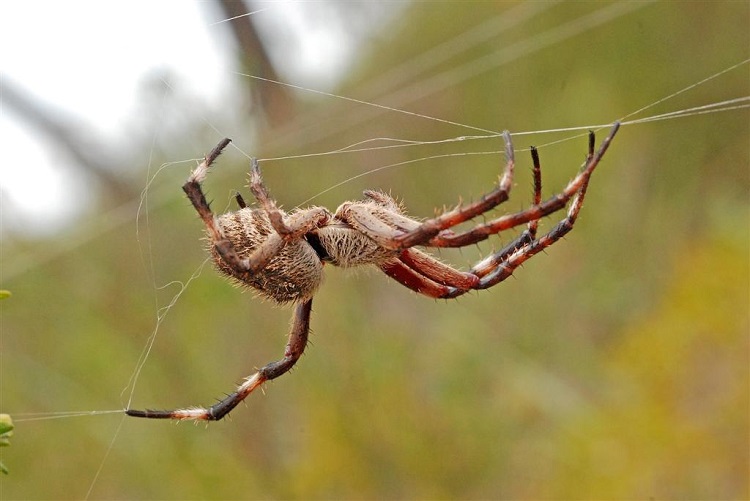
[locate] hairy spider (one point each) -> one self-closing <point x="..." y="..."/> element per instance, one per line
<point x="281" y="255"/>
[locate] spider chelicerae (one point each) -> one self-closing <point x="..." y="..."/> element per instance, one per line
<point x="281" y="255"/>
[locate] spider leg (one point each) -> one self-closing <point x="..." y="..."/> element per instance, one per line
<point x="436" y="270"/>
<point x="497" y="267"/>
<point x="421" y="233"/>
<point x="419" y="271"/>
<point x="393" y="230"/>
<point x="536" y="211"/>
<point x="260" y="192"/>
<point x="293" y="228"/>
<point x="421" y="277"/>
<point x="500" y="265"/>
<point x="288" y="230"/>
<point x="294" y="349"/>
<point x="192" y="189"/>
<point x="385" y="200"/>
<point x="287" y="227"/>
<point x="426" y="275"/>
<point x="194" y="192"/>
<point x="533" y="225"/>
<point x="414" y="280"/>
<point x="423" y="273"/>
<point x="240" y="201"/>
<point x="529" y="234"/>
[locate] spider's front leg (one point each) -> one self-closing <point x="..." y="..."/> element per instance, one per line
<point x="536" y="211"/>
<point x="430" y="228"/>
<point x="294" y="349"/>
<point x="428" y="276"/>
<point x="501" y="265"/>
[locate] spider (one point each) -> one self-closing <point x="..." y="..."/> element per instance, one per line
<point x="281" y="255"/>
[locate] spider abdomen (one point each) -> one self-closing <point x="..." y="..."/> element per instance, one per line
<point x="291" y="275"/>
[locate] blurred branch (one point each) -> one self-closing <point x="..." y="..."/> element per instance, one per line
<point x="72" y="136"/>
<point x="275" y="101"/>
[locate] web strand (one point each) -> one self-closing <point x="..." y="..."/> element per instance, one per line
<point x="728" y="105"/>
<point x="46" y="416"/>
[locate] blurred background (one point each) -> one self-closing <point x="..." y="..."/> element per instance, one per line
<point x="614" y="366"/>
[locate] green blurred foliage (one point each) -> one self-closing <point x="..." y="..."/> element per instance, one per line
<point x="614" y="366"/>
<point x="6" y="431"/>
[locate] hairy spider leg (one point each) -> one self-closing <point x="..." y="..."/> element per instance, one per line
<point x="495" y="271"/>
<point x="289" y="227"/>
<point x="285" y="230"/>
<point x="528" y="236"/>
<point x="534" y="212"/>
<point x="426" y="275"/>
<point x="259" y="191"/>
<point x="294" y="349"/>
<point x="194" y="192"/>
<point x="192" y="188"/>
<point x="533" y="225"/>
<point x="501" y="265"/>
<point x="431" y="227"/>
<point x="423" y="273"/>
<point x="223" y="246"/>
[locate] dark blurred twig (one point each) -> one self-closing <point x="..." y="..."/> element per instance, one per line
<point x="75" y="138"/>
<point x="275" y="101"/>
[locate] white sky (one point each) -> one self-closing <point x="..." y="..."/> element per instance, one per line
<point x="89" y="58"/>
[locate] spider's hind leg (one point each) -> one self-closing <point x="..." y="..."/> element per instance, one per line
<point x="294" y="349"/>
<point x="194" y="192"/>
<point x="260" y="192"/>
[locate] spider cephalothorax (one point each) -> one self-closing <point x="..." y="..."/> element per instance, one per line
<point x="281" y="255"/>
<point x="296" y="270"/>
